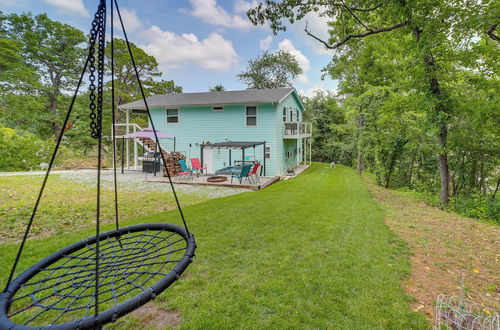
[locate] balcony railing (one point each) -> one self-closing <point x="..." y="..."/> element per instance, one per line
<point x="296" y="130"/>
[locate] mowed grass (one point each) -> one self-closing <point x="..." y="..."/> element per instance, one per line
<point x="310" y="252"/>
<point x="68" y="205"/>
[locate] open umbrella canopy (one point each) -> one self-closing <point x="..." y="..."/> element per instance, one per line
<point x="149" y="133"/>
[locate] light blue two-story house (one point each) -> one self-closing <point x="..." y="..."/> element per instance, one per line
<point x="273" y="116"/>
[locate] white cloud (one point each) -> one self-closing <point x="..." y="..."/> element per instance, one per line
<point x="130" y="20"/>
<point x="315" y="88"/>
<point x="242" y="6"/>
<point x="304" y="63"/>
<point x="209" y="12"/>
<point x="71" y="7"/>
<point x="266" y="43"/>
<point x="174" y="51"/>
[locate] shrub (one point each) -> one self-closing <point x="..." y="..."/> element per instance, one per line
<point x="21" y="150"/>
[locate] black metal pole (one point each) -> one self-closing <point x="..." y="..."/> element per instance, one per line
<point x="242" y="156"/>
<point x="230" y="157"/>
<point x="123" y="152"/>
<point x="174" y="144"/>
<point x="201" y="155"/>
<point x="264" y="151"/>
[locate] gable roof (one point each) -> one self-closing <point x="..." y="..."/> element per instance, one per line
<point x="248" y="96"/>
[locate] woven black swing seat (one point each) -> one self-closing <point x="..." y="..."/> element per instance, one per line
<point x="99" y="279"/>
<point x="136" y="263"/>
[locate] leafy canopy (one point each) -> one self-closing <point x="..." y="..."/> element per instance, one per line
<point x="271" y="70"/>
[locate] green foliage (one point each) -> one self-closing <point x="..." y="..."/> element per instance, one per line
<point x="217" y="88"/>
<point x="271" y="70"/>
<point x="54" y="53"/>
<point x="22" y="151"/>
<point x="419" y="81"/>
<point x="332" y="133"/>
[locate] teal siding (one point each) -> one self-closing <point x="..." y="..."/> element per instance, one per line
<point x="289" y="145"/>
<point x="201" y="124"/>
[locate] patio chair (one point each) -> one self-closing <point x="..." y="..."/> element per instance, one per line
<point x="196" y="166"/>
<point x="184" y="169"/>
<point x="243" y="174"/>
<point x="254" y="173"/>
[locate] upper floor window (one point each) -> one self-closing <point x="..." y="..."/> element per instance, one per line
<point x="291" y="115"/>
<point x="251" y="115"/>
<point x="298" y="115"/>
<point x="172" y="116"/>
<point x="284" y="114"/>
<point x="217" y="109"/>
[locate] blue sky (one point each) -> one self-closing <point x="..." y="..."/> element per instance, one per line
<point x="199" y="43"/>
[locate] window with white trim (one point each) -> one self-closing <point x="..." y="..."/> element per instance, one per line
<point x="217" y="109"/>
<point x="251" y="115"/>
<point x="284" y="114"/>
<point x="298" y="115"/>
<point x="172" y="116"/>
<point x="267" y="152"/>
<point x="291" y="115"/>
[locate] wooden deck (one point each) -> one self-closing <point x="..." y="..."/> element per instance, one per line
<point x="201" y="180"/>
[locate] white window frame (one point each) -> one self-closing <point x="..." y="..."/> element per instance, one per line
<point x="284" y="115"/>
<point x="298" y="115"/>
<point x="291" y="115"/>
<point x="178" y="116"/>
<point x="267" y="152"/>
<point x="256" y="115"/>
<point x="219" y="108"/>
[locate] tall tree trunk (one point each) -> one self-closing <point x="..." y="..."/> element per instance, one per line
<point x="436" y="90"/>
<point x="56" y="127"/>
<point x="359" y="162"/>
<point x="409" y="175"/>
<point x="444" y="171"/>
<point x="441" y="114"/>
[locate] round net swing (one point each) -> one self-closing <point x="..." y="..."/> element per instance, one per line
<point x="97" y="280"/>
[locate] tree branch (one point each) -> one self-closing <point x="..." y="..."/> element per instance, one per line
<point x="491" y="34"/>
<point x="351" y="36"/>
<point x="327" y="3"/>
<point x="355" y="17"/>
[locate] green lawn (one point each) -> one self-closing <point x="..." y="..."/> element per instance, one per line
<point x="68" y="204"/>
<point x="310" y="252"/>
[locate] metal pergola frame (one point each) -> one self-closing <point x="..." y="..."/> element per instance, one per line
<point x="241" y="145"/>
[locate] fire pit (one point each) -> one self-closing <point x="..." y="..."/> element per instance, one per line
<point x="217" y="178"/>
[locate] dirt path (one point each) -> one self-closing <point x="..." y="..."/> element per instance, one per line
<point x="442" y="244"/>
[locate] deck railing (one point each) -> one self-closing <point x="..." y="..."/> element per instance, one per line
<point x="297" y="129"/>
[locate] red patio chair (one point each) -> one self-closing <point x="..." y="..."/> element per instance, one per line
<point x="254" y="172"/>
<point x="196" y="166"/>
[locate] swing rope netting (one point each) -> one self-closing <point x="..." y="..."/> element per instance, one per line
<point x="97" y="280"/>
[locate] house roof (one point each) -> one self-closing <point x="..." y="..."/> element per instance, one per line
<point x="248" y="96"/>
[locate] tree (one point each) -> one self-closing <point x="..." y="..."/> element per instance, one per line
<point x="54" y="52"/>
<point x="271" y="70"/>
<point x="126" y="86"/>
<point x="434" y="34"/>
<point x="332" y="133"/>
<point x="217" y="88"/>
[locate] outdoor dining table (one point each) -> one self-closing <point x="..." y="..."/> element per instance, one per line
<point x="229" y="170"/>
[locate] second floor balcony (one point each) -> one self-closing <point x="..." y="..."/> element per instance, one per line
<point x="297" y="130"/>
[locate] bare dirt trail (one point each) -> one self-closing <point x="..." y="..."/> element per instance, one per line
<point x="443" y="244"/>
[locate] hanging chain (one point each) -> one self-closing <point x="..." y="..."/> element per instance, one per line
<point x="97" y="33"/>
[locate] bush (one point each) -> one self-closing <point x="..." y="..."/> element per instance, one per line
<point x="476" y="206"/>
<point x="22" y="151"/>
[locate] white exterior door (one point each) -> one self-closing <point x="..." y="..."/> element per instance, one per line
<point x="208" y="160"/>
